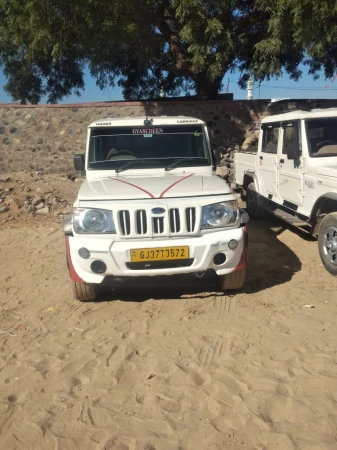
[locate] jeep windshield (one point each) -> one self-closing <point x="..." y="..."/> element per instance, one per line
<point x="168" y="147"/>
<point x="322" y="137"/>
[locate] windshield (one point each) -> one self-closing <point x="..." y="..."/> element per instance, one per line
<point x="322" y="137"/>
<point x="138" y="147"/>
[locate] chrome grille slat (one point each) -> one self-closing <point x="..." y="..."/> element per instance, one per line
<point x="141" y="222"/>
<point x="158" y="225"/>
<point x="124" y="222"/>
<point x="190" y="219"/>
<point x="174" y="220"/>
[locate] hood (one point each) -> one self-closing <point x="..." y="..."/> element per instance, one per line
<point x="328" y="171"/>
<point x="154" y="187"/>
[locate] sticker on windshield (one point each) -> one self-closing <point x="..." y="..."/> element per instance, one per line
<point x="147" y="135"/>
<point x="196" y="134"/>
<point x="149" y="131"/>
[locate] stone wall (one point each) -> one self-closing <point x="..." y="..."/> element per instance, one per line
<point x="45" y="137"/>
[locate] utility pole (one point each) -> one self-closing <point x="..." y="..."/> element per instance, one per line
<point x="250" y="89"/>
<point x="227" y="88"/>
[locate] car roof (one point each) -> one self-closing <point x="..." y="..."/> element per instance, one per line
<point x="140" y="121"/>
<point x="300" y="114"/>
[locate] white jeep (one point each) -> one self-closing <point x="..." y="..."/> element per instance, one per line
<point x="293" y="175"/>
<point x="151" y="205"/>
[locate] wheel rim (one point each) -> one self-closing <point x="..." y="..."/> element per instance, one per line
<point x="330" y="245"/>
<point x="251" y="203"/>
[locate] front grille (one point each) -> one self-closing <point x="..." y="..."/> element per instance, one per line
<point x="143" y="223"/>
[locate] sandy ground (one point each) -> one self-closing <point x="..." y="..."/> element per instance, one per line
<point x="168" y="364"/>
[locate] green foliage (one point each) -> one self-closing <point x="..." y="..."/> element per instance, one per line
<point x="298" y="31"/>
<point x="146" y="45"/>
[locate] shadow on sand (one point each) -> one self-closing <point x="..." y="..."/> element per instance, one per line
<point x="270" y="263"/>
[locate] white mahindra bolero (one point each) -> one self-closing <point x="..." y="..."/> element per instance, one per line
<point x="293" y="175"/>
<point x="152" y="205"/>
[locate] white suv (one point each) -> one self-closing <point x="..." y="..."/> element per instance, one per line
<point x="152" y="205"/>
<point x="293" y="174"/>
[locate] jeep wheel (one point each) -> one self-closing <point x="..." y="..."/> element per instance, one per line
<point x="327" y="242"/>
<point x="233" y="281"/>
<point x="83" y="292"/>
<point x="252" y="201"/>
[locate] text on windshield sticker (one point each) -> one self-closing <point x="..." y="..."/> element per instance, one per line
<point x="147" y="131"/>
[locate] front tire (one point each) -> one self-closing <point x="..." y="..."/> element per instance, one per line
<point x="327" y="242"/>
<point x="84" y="292"/>
<point x="232" y="281"/>
<point x="253" y="205"/>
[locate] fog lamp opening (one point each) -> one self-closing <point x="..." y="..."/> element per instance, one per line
<point x="98" y="266"/>
<point x="219" y="259"/>
<point x="84" y="253"/>
<point x="233" y="244"/>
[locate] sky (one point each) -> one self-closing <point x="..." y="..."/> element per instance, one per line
<point x="283" y="87"/>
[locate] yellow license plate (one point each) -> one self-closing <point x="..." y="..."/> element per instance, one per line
<point x="159" y="254"/>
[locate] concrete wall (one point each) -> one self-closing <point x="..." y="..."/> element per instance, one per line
<point x="45" y="137"/>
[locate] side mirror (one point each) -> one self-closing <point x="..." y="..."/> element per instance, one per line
<point x="79" y="162"/>
<point x="244" y="217"/>
<point x="67" y="225"/>
<point x="216" y="158"/>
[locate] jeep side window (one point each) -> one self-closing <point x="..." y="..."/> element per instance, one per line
<point x="291" y="140"/>
<point x="270" y="139"/>
<point x="322" y="136"/>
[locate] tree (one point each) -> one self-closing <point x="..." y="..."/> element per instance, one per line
<point x="299" y="31"/>
<point x="144" y="46"/>
<point x="177" y="45"/>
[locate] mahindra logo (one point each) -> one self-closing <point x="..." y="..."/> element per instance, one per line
<point x="158" y="210"/>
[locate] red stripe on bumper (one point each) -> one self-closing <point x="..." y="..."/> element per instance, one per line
<point x="242" y="262"/>
<point x="72" y="272"/>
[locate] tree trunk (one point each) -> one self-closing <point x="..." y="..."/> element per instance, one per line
<point x="207" y="89"/>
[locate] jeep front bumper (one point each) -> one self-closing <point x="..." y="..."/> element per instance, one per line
<point x="116" y="255"/>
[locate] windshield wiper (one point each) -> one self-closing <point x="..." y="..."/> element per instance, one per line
<point x="177" y="162"/>
<point x="136" y="162"/>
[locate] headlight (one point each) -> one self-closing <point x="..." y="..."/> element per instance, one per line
<point x="224" y="214"/>
<point x="93" y="221"/>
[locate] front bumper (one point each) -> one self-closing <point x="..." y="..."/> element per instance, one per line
<point x="116" y="255"/>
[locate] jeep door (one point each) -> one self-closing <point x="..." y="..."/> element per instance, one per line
<point x="268" y="158"/>
<point x="290" y="173"/>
